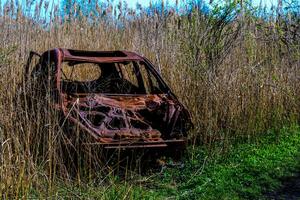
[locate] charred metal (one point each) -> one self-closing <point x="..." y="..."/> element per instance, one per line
<point x="115" y="96"/>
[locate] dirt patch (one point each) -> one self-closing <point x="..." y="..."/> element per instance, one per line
<point x="290" y="189"/>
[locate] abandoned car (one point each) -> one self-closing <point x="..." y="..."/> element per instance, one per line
<point x="115" y="96"/>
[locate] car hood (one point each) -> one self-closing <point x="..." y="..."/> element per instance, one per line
<point x="111" y="118"/>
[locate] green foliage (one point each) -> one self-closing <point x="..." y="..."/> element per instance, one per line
<point x="246" y="171"/>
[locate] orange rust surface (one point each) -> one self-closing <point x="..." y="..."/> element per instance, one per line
<point x="126" y="119"/>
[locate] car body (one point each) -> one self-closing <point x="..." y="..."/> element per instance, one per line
<point x="117" y="97"/>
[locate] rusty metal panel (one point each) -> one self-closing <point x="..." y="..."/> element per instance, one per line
<point x="119" y="120"/>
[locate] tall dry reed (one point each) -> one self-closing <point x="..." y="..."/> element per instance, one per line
<point x="237" y="74"/>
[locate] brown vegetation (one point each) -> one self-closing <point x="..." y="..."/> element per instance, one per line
<point x="238" y="75"/>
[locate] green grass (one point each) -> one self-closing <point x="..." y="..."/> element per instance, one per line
<point x="247" y="170"/>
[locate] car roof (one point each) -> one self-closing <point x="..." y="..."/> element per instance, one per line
<point x="98" y="56"/>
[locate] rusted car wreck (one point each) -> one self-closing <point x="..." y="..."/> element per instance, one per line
<point x="115" y="96"/>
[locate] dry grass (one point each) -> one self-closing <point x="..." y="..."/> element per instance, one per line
<point x="238" y="77"/>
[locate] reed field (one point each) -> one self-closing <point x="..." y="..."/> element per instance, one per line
<point x="236" y="68"/>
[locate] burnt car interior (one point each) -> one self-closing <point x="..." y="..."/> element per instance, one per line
<point x="129" y="77"/>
